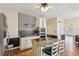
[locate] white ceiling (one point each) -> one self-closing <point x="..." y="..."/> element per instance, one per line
<point x="66" y="10"/>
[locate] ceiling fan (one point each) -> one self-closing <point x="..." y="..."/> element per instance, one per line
<point x="44" y="7"/>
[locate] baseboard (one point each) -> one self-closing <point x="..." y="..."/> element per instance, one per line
<point x="25" y="49"/>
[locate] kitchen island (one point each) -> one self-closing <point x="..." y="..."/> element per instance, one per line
<point x="38" y="45"/>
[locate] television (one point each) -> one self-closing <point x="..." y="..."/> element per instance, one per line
<point x="13" y="41"/>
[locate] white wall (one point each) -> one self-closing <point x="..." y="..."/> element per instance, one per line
<point x="60" y="27"/>
<point x="72" y="26"/>
<point x="55" y="26"/>
<point x="12" y="22"/>
<point x="52" y="26"/>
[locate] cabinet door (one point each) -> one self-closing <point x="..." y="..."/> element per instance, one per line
<point x="23" y="44"/>
<point x="29" y="43"/>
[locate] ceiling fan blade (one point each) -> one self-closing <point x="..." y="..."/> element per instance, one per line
<point x="50" y="7"/>
<point x="37" y="7"/>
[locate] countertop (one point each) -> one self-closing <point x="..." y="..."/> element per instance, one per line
<point x="30" y="37"/>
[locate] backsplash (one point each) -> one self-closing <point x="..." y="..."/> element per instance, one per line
<point x="26" y="25"/>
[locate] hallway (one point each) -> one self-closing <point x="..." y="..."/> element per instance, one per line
<point x="71" y="49"/>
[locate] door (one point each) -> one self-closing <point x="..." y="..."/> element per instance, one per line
<point x="2" y="22"/>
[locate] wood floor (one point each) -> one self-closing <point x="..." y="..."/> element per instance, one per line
<point x="18" y="52"/>
<point x="25" y="53"/>
<point x="70" y="49"/>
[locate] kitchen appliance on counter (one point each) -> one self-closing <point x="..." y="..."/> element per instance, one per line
<point x="13" y="42"/>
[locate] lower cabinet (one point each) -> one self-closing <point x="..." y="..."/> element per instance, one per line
<point x="29" y="43"/>
<point x="26" y="42"/>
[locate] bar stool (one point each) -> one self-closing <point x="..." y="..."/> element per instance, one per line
<point x="55" y="48"/>
<point x="51" y="50"/>
<point x="47" y="50"/>
<point x="61" y="47"/>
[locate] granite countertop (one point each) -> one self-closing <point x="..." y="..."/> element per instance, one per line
<point x="44" y="42"/>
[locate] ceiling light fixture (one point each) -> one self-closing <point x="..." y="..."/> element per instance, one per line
<point x="44" y="7"/>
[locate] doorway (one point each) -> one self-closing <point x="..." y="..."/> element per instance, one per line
<point x="3" y="32"/>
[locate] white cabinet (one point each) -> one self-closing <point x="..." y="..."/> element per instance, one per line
<point x="26" y="42"/>
<point x="29" y="43"/>
<point x="43" y="28"/>
<point x="22" y="43"/>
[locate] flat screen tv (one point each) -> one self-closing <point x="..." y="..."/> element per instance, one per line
<point x="14" y="41"/>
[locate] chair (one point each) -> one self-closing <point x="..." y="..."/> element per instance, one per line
<point x="77" y="40"/>
<point x="55" y="48"/>
<point x="47" y="51"/>
<point x="51" y="50"/>
<point x="61" y="47"/>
